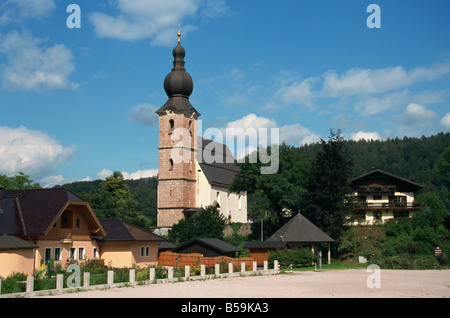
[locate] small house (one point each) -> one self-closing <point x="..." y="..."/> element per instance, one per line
<point x="208" y="247"/>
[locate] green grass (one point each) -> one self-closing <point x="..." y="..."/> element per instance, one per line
<point x="333" y="266"/>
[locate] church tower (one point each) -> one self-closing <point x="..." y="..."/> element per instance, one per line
<point x="177" y="146"/>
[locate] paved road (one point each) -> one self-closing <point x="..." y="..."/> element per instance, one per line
<point x="355" y="283"/>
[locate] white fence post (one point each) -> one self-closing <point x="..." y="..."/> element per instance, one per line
<point x="242" y="267"/>
<point x="152" y="274"/>
<point x="187" y="272"/>
<point x="170" y="273"/>
<point x="255" y="266"/>
<point x="276" y="266"/>
<point x="110" y="278"/>
<point x="230" y="268"/>
<point x="132" y="276"/>
<point x="86" y="279"/>
<point x="266" y="265"/>
<point x="217" y="269"/>
<point x="30" y="284"/>
<point x="202" y="270"/>
<point x="59" y="282"/>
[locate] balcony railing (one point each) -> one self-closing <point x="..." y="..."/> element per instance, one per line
<point x="389" y="205"/>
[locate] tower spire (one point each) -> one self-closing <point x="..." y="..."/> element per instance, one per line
<point x="179" y="33"/>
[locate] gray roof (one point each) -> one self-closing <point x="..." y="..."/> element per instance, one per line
<point x="223" y="170"/>
<point x="300" y="229"/>
<point x="118" y="230"/>
<point x="212" y="242"/>
<point x="387" y="178"/>
<point x="8" y="242"/>
<point x="265" y="244"/>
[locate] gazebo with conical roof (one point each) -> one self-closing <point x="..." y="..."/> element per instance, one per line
<point x="299" y="231"/>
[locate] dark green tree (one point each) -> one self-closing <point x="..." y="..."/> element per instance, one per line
<point x="209" y="223"/>
<point x="18" y="182"/>
<point x="272" y="196"/>
<point x="113" y="200"/>
<point x="328" y="186"/>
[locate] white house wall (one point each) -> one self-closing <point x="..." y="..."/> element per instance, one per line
<point x="232" y="206"/>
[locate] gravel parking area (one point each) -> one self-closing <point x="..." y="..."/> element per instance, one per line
<point x="354" y="283"/>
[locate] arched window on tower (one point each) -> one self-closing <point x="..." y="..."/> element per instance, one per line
<point x="171" y="165"/>
<point x="172" y="125"/>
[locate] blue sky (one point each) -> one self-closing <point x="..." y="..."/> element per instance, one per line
<point x="78" y="103"/>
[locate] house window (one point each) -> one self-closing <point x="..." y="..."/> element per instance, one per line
<point x="94" y="253"/>
<point x="73" y="253"/>
<point x="239" y="202"/>
<point x="377" y="197"/>
<point x="81" y="253"/>
<point x="78" y="223"/>
<point x="57" y="253"/>
<point x="145" y="251"/>
<point x="48" y="254"/>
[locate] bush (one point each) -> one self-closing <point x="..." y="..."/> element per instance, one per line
<point x="425" y="262"/>
<point x="294" y="256"/>
<point x="10" y="284"/>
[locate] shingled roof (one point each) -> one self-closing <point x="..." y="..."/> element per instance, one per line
<point x="378" y="175"/>
<point x="300" y="229"/>
<point x="222" y="171"/>
<point x="33" y="211"/>
<point x="118" y="230"/>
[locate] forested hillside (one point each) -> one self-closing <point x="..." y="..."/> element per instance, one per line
<point x="410" y="158"/>
<point x="143" y="191"/>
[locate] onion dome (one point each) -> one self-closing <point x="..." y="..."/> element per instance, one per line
<point x="178" y="83"/>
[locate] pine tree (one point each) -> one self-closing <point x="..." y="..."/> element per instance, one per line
<point x="328" y="186"/>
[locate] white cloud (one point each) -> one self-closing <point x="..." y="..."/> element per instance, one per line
<point x="373" y="81"/>
<point x="445" y="122"/>
<point x="105" y="173"/>
<point x="297" y="135"/>
<point x="374" y="105"/>
<point x="30" y="151"/>
<point x="139" y="174"/>
<point x="152" y="19"/>
<point x="144" y="113"/>
<point x="365" y="135"/>
<point x="51" y="181"/>
<point x="415" y="120"/>
<point x="262" y="127"/>
<point x="13" y="11"/>
<point x="33" y="66"/>
<point x="368" y="91"/>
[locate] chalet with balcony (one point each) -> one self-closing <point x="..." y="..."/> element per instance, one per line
<point x="380" y="196"/>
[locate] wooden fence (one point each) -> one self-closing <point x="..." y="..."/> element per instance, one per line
<point x="179" y="260"/>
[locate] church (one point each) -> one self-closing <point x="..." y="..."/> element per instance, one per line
<point x="186" y="182"/>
